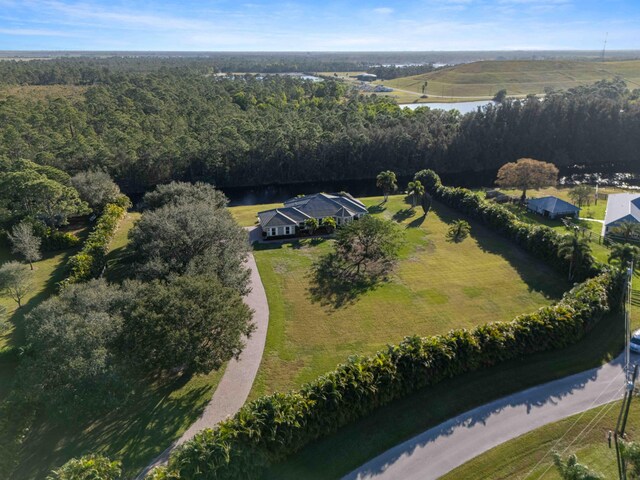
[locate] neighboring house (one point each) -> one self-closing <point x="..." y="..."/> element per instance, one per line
<point x="552" y="207"/>
<point x="290" y="219"/>
<point x="621" y="207"/>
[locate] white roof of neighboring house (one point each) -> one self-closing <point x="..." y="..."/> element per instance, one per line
<point x="622" y="207"/>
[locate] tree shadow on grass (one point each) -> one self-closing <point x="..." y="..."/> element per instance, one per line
<point x="417" y="222"/>
<point x="135" y="433"/>
<point x="537" y="275"/>
<point x="331" y="286"/>
<point x="381" y="207"/>
<point x="295" y="243"/>
<point x="404" y="214"/>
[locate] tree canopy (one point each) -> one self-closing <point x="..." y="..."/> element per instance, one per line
<point x="527" y="173"/>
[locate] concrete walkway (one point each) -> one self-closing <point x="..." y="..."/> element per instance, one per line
<point x="236" y="383"/>
<point x="439" y="450"/>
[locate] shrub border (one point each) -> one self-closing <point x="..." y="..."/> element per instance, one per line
<point x="89" y="262"/>
<point x="275" y="426"/>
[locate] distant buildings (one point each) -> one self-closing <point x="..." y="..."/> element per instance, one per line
<point x="367" y="77"/>
<point x="552" y="207"/>
<point x="621" y="207"/>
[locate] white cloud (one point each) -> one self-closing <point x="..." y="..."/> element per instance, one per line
<point x="383" y="10"/>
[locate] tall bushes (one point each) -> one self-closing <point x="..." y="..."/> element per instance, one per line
<point x="539" y="240"/>
<point x="89" y="262"/>
<point x="273" y="427"/>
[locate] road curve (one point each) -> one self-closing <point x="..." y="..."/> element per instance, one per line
<point x="236" y="383"/>
<point x="440" y="449"/>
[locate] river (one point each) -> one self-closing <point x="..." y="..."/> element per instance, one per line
<point x="367" y="187"/>
<point x="462" y="107"/>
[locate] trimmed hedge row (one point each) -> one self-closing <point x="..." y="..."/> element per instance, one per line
<point x="89" y="262"/>
<point x="539" y="240"/>
<point x="274" y="427"/>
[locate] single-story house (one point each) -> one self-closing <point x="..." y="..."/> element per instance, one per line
<point x="290" y="219"/>
<point x="621" y="207"/>
<point x="552" y="207"/>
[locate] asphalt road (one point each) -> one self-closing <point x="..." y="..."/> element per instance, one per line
<point x="439" y="450"/>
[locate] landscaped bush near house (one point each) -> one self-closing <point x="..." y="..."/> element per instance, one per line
<point x="539" y="240"/>
<point x="90" y="261"/>
<point x="275" y="426"/>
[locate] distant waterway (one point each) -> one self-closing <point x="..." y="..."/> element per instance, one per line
<point x="603" y="175"/>
<point x="462" y="107"/>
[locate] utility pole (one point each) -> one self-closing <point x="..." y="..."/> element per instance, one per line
<point x="630" y="380"/>
<point x="604" y="48"/>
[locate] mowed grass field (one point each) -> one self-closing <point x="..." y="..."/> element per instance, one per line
<point x="530" y="456"/>
<point x="437" y="286"/>
<point x="480" y="80"/>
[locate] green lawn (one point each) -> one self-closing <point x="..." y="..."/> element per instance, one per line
<point x="529" y="456"/>
<point x="437" y="286"/>
<point x="336" y="455"/>
<point x="144" y="427"/>
<point x="154" y="415"/>
<point x="520" y="77"/>
<point x="46" y="274"/>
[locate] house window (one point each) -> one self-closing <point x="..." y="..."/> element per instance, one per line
<point x="273" y="231"/>
<point x="287" y="230"/>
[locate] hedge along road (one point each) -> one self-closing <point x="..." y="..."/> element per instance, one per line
<point x="440" y="449"/>
<point x="236" y="383"/>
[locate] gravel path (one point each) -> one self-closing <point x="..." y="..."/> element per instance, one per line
<point x="236" y="383"/>
<point x="439" y="450"/>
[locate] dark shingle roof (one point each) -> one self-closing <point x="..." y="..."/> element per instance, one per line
<point x="318" y="205"/>
<point x="553" y="205"/>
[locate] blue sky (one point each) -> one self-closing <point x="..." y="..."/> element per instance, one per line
<point x="318" y="25"/>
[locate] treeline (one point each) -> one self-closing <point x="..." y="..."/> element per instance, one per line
<point x="148" y="129"/>
<point x="389" y="72"/>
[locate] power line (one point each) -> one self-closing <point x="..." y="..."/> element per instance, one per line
<point x="574" y="423"/>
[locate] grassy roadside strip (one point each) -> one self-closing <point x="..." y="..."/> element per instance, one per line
<point x="353" y="445"/>
<point x="530" y="455"/>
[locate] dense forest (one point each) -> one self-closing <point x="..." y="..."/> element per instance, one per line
<point x="174" y="121"/>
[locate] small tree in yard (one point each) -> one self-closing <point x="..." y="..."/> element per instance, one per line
<point x="572" y="470"/>
<point x="527" y="173"/>
<point x="416" y="191"/>
<point x="575" y="250"/>
<point x="458" y="231"/>
<point x="624" y="254"/>
<point x="89" y="467"/>
<point x="96" y="188"/>
<point x="15" y="281"/>
<point x="311" y="224"/>
<point x="329" y="224"/>
<point x="25" y="243"/>
<point x="368" y="247"/>
<point x="388" y="182"/>
<point x="582" y="194"/>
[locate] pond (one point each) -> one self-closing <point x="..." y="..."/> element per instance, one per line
<point x="462" y="107"/>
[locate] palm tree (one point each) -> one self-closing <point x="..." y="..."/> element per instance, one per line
<point x="329" y="224"/>
<point x="458" y="231"/>
<point x="388" y="182"/>
<point x="626" y="230"/>
<point x="576" y="250"/>
<point x="624" y="255"/>
<point x="416" y="190"/>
